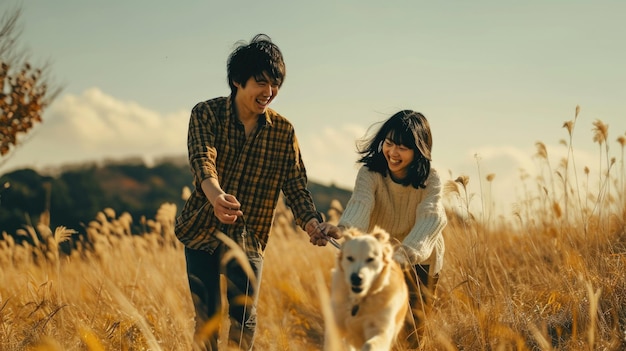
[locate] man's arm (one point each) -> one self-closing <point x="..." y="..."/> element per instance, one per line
<point x="201" y="143"/>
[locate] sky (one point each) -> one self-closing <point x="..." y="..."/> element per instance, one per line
<point x="492" y="77"/>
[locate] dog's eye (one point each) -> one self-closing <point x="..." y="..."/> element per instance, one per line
<point x="350" y="258"/>
<point x="369" y="259"/>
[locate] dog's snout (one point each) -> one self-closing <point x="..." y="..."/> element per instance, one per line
<point x="356" y="279"/>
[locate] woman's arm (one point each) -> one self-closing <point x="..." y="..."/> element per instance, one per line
<point x="359" y="208"/>
<point x="430" y="219"/>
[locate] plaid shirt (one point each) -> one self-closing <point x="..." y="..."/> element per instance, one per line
<point x="253" y="170"/>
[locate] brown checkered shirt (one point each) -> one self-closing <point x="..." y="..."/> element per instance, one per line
<point x="253" y="170"/>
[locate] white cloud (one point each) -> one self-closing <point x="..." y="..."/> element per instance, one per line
<point x="330" y="154"/>
<point x="509" y="164"/>
<point x="102" y="122"/>
<point x="94" y="126"/>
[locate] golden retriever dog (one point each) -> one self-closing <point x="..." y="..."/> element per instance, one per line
<point x="368" y="293"/>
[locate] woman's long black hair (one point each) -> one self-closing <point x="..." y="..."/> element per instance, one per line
<point x="408" y="128"/>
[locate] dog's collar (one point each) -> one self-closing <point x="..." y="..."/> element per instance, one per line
<point x="355" y="310"/>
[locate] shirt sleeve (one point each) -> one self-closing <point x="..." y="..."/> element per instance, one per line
<point x="429" y="222"/>
<point x="358" y="211"/>
<point x="201" y="142"/>
<point x="297" y="195"/>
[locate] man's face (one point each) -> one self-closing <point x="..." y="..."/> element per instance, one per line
<point x="255" y="96"/>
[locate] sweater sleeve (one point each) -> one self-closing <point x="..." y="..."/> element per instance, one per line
<point x="359" y="208"/>
<point x="429" y="222"/>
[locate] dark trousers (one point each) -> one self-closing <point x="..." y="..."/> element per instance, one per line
<point x="203" y="271"/>
<point x="422" y="288"/>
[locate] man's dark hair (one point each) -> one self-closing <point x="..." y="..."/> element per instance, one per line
<point x="253" y="59"/>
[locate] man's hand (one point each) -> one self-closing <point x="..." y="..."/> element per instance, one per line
<point x="320" y="233"/>
<point x="227" y="208"/>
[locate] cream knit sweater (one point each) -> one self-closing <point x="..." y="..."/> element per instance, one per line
<point x="414" y="217"/>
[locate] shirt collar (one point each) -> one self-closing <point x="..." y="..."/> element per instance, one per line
<point x="230" y="113"/>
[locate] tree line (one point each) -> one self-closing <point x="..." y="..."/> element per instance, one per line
<point x="74" y="197"/>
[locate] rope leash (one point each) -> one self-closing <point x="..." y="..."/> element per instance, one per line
<point x="330" y="239"/>
<point x="334" y="242"/>
<point x="244" y="233"/>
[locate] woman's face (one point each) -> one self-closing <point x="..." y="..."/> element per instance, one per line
<point x="398" y="156"/>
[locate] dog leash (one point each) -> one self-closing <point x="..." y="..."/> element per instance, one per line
<point x="334" y="242"/>
<point x="330" y="239"/>
<point x="244" y="233"/>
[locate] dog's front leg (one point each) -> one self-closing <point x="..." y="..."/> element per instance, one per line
<point x="378" y="340"/>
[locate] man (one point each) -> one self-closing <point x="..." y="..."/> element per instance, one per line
<point x="242" y="155"/>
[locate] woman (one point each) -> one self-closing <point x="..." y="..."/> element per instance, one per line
<point x="397" y="189"/>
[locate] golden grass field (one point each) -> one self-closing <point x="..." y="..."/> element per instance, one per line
<point x="550" y="277"/>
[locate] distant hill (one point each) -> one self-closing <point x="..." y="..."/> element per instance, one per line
<point x="75" y="194"/>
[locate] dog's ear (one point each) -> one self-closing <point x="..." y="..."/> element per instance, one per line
<point x="380" y="234"/>
<point x="346" y="235"/>
<point x="339" y="258"/>
<point x="387" y="253"/>
<point x="383" y="237"/>
<point x="350" y="233"/>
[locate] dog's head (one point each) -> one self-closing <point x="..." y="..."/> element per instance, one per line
<point x="362" y="258"/>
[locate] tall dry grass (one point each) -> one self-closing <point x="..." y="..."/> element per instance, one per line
<point x="550" y="277"/>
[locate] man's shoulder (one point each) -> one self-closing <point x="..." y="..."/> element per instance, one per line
<point x="212" y="103"/>
<point x="212" y="109"/>
<point x="277" y="119"/>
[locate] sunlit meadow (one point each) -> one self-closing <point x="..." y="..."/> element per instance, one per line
<point x="550" y="276"/>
